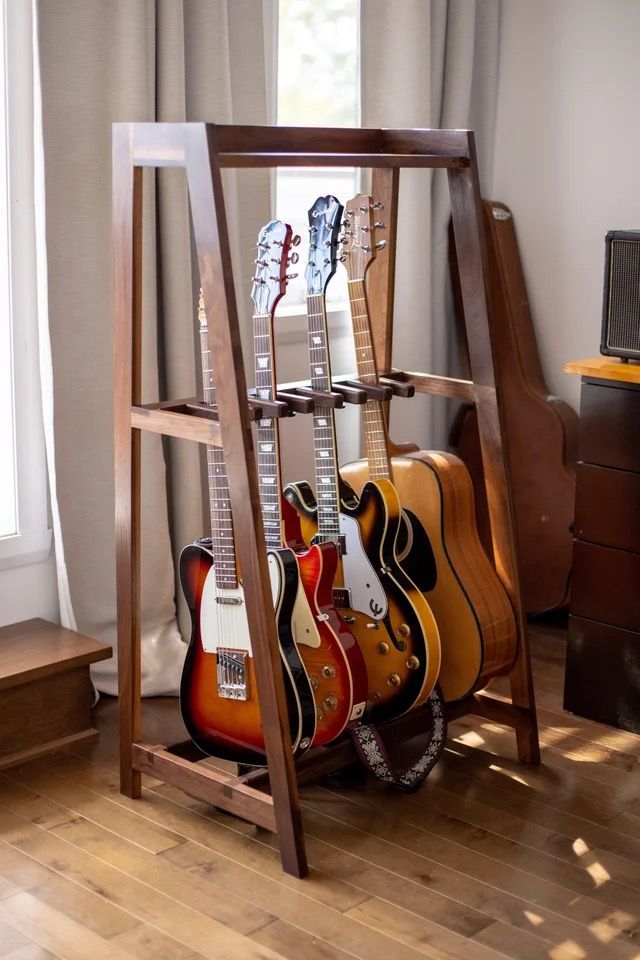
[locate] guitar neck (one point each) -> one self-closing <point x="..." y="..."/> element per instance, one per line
<point x="267" y="433"/>
<point x="324" y="431"/>
<point x="222" y="541"/>
<point x="373" y="422"/>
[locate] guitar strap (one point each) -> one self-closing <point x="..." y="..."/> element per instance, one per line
<point x="373" y="753"/>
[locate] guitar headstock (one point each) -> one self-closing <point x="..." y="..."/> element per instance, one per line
<point x="359" y="239"/>
<point x="274" y="256"/>
<point x="324" y="226"/>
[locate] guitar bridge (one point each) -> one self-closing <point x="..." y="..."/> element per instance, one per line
<point x="231" y="674"/>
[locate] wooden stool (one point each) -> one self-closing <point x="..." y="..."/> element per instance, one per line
<point x="45" y="689"/>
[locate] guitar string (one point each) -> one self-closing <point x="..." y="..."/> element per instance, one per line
<point x="372" y="416"/>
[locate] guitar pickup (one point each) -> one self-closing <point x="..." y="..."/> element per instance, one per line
<point x="342" y="598"/>
<point x="231" y="674"/>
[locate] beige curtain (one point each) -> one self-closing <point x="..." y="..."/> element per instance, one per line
<point x="135" y="60"/>
<point x="428" y="63"/>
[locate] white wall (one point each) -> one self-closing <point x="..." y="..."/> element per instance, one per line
<point x="567" y="159"/>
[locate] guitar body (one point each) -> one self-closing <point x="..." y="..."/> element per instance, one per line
<point x="392" y="623"/>
<point x="476" y="622"/>
<point x="332" y="658"/>
<point x="230" y="726"/>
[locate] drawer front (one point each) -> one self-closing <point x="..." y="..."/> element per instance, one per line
<point x="608" y="507"/>
<point x="602" y="679"/>
<point x="610" y="426"/>
<point x="606" y="585"/>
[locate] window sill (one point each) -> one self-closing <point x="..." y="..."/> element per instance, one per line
<point x="23" y="549"/>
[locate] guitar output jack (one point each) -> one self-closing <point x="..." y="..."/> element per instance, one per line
<point x="393" y="680"/>
<point x="328" y="672"/>
<point x="413" y="663"/>
<point x="330" y="702"/>
<point x="383" y="647"/>
<point x="404" y="630"/>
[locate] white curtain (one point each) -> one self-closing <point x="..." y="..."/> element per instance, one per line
<point x="428" y="63"/>
<point x="131" y="60"/>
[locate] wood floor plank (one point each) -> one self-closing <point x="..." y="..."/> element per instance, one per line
<point x="186" y="924"/>
<point x="92" y="807"/>
<point x="32" y="952"/>
<point x="56" y="932"/>
<point x="11" y="939"/>
<point x="84" y="906"/>
<point x="294" y="943"/>
<point x="147" y="943"/>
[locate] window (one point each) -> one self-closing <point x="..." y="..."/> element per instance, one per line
<point x="318" y="85"/>
<point x="24" y="534"/>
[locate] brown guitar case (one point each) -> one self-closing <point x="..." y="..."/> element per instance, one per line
<point x="540" y="429"/>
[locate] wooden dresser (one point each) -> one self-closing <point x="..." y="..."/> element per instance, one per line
<point x="603" y="657"/>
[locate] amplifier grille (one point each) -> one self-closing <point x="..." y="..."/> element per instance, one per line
<point x="624" y="295"/>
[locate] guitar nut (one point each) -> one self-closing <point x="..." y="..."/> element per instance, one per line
<point x="328" y="671"/>
<point x="393" y="680"/>
<point x="383" y="647"/>
<point x="413" y="663"/>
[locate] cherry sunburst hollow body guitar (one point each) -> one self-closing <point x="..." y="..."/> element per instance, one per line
<point x="218" y="691"/>
<point x="331" y="657"/>
<point x="477" y="626"/>
<point x="387" y="614"/>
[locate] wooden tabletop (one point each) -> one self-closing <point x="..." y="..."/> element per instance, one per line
<point x="605" y="368"/>
<point x="37" y="648"/>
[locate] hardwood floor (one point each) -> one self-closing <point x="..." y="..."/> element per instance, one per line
<point x="488" y="860"/>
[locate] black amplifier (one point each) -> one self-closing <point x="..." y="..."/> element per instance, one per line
<point x="621" y="307"/>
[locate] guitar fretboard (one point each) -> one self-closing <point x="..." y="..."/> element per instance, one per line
<point x="268" y="453"/>
<point x="324" y="435"/>
<point x="222" y="542"/>
<point x="375" y="433"/>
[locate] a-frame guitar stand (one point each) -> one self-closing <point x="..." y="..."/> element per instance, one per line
<point x="203" y="150"/>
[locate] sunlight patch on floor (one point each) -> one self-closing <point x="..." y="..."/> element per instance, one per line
<point x="598" y="874"/>
<point x="533" y="918"/>
<point x="566" y="949"/>
<point x="508" y="773"/>
<point x="580" y="847"/>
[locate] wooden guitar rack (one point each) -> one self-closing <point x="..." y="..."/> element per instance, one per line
<point x="203" y="150"/>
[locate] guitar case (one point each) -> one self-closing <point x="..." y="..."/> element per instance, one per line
<point x="540" y="429"/>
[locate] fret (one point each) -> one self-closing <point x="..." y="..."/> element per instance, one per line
<point x="267" y="433"/>
<point x="222" y="542"/>
<point x="374" y="427"/>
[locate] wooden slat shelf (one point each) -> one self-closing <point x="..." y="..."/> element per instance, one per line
<point x="203" y="149"/>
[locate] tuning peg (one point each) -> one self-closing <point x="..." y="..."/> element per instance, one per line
<point x="365" y="248"/>
<point x="295" y="240"/>
<point x="364" y="209"/>
<point x="376" y="205"/>
<point x="293" y="258"/>
<point x="326" y="261"/>
<point x="379" y="225"/>
<point x="291" y="276"/>
<point x="262" y="263"/>
<point x="343" y="257"/>
<point x="258" y="280"/>
<point x="327" y="243"/>
<point x="365" y="229"/>
<point x="345" y="223"/>
<point x="278" y="243"/>
<point x="381" y="245"/>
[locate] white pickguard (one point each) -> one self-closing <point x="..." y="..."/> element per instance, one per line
<point x="225" y="624"/>
<point x="360" y="577"/>
<point x="303" y="622"/>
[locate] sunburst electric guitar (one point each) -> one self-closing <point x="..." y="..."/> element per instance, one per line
<point x="389" y="617"/>
<point x="218" y="691"/>
<point x="475" y="619"/>
<point x="329" y="652"/>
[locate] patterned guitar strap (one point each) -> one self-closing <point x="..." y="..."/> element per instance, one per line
<point x="374" y="755"/>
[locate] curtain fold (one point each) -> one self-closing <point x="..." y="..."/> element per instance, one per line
<point x="135" y="60"/>
<point x="428" y="63"/>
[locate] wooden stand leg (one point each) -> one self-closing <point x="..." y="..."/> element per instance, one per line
<point x="127" y="236"/>
<point x="466" y="213"/>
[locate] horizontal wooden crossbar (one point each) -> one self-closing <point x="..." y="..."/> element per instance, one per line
<point x="442" y="386"/>
<point x="206" y="784"/>
<point x="184" y="426"/>
<point x="254" y="146"/>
